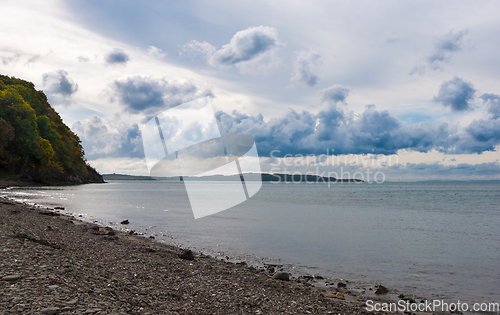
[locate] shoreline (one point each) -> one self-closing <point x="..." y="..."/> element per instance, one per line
<point x="105" y="249"/>
<point x="57" y="263"/>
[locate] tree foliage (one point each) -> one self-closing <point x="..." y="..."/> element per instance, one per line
<point x="34" y="141"/>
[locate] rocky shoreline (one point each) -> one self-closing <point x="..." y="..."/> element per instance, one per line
<point x="55" y="264"/>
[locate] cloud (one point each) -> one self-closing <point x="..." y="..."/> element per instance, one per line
<point x="100" y="142"/>
<point x="83" y="58"/>
<point x="117" y="56"/>
<point x="342" y="132"/>
<point x="198" y="48"/>
<point x="335" y="93"/>
<point x="10" y="60"/>
<point x="456" y="94"/>
<point x="147" y="95"/>
<point x="339" y="131"/>
<point x="493" y="103"/>
<point x="444" y="48"/>
<point x="58" y="82"/>
<point x="33" y="59"/>
<point x="252" y="51"/>
<point x="156" y="52"/>
<point x="427" y="171"/>
<point x="484" y="135"/>
<point x="303" y="68"/>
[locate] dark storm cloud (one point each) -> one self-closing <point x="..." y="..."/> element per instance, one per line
<point x="117" y="56"/>
<point x="303" y="68"/>
<point x="147" y="95"/>
<point x="59" y="82"/>
<point x="335" y="93"/>
<point x="456" y="94"/>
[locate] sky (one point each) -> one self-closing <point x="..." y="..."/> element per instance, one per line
<point x="406" y="89"/>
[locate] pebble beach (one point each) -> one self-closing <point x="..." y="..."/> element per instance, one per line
<point x="53" y="263"/>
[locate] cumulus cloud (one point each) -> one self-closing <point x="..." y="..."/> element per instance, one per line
<point x="252" y="51"/>
<point x="303" y="68"/>
<point x="58" y="82"/>
<point x="484" y="135"/>
<point x="335" y="93"/>
<point x="493" y="103"/>
<point x="444" y="48"/>
<point x="117" y="56"/>
<point x="456" y="94"/>
<point x="342" y="132"/>
<point x="147" y="95"/>
<point x="156" y="52"/>
<point x="99" y="141"/>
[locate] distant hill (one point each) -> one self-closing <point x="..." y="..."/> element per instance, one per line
<point x="35" y="145"/>
<point x="266" y="177"/>
<point x="125" y="177"/>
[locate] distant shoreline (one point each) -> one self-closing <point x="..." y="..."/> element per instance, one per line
<point x="266" y="177"/>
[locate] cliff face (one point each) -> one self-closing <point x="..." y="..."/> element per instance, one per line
<point x="35" y="144"/>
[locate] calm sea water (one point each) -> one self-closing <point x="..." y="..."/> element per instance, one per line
<point x="435" y="240"/>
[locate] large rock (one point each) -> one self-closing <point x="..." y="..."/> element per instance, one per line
<point x="281" y="276"/>
<point x="187" y="255"/>
<point x="380" y="289"/>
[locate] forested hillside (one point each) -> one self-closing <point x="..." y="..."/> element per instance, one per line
<point x="35" y="144"/>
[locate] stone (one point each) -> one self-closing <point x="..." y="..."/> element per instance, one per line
<point x="341" y="285"/>
<point x="281" y="276"/>
<point x="124" y="222"/>
<point x="50" y="310"/>
<point x="53" y="287"/>
<point x="72" y="302"/>
<point x="59" y="208"/>
<point x="187" y="255"/>
<point x="380" y="289"/>
<point x="335" y="296"/>
<point x="11" y="278"/>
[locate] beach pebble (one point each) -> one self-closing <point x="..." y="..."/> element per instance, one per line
<point x="124" y="222"/>
<point x="341" y="285"/>
<point x="11" y="278"/>
<point x="50" y="310"/>
<point x="281" y="276"/>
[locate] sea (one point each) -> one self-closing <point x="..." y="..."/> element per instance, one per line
<point x="424" y="240"/>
